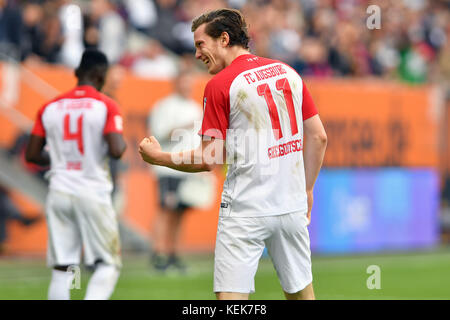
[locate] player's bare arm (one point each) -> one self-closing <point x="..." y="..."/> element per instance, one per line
<point x="206" y="157"/>
<point x="35" y="152"/>
<point x="116" y="144"/>
<point x="315" y="139"/>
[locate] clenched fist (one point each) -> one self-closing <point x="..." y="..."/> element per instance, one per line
<point x="150" y="150"/>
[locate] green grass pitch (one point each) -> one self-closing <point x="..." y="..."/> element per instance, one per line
<point x="414" y="275"/>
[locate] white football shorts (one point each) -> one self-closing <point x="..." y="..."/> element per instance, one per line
<point x="77" y="223"/>
<point x="240" y="243"/>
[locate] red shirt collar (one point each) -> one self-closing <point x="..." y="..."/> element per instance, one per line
<point x="243" y="57"/>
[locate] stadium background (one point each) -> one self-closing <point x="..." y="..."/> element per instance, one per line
<point x="383" y="96"/>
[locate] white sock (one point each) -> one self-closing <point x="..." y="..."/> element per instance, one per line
<point x="102" y="283"/>
<point x="59" y="288"/>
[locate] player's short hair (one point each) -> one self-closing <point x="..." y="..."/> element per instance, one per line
<point x="93" y="61"/>
<point x="226" y="20"/>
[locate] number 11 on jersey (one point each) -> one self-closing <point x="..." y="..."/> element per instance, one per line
<point x="281" y="84"/>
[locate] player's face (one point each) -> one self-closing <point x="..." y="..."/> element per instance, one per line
<point x="209" y="50"/>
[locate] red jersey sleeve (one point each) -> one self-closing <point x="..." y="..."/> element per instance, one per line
<point x="114" y="122"/>
<point x="216" y="112"/>
<point x="38" y="128"/>
<point x="308" y="107"/>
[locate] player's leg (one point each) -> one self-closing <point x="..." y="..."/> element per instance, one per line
<point x="158" y="257"/>
<point x="161" y="226"/>
<point x="165" y="253"/>
<point x="239" y="246"/>
<point x="160" y="231"/>
<point x="64" y="244"/>
<point x="289" y="250"/>
<point x="305" y="294"/>
<point x="173" y="232"/>
<point x="231" y="296"/>
<point x="100" y="234"/>
<point x="102" y="282"/>
<point x="175" y="227"/>
<point x="60" y="284"/>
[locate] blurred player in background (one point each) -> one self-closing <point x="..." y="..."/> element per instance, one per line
<point x="268" y="193"/>
<point x="81" y="128"/>
<point x="175" y="112"/>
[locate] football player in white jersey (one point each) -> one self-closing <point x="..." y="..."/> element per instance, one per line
<point x="260" y="118"/>
<point x="81" y="129"/>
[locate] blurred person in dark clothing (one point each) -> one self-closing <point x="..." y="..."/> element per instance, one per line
<point x="32" y="14"/>
<point x="105" y="29"/>
<point x="312" y="59"/>
<point x="172" y="28"/>
<point x="42" y="33"/>
<point x="10" y="30"/>
<point x="166" y="19"/>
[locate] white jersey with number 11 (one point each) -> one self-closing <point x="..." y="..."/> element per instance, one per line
<point x="258" y="105"/>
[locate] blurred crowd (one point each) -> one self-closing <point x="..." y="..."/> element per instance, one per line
<point x="322" y="38"/>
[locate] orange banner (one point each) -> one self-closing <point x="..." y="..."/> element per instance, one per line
<point x="372" y="124"/>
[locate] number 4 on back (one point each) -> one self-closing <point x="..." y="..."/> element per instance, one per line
<point x="77" y="135"/>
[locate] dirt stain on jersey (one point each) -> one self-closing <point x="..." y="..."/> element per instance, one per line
<point x="232" y="158"/>
<point x="294" y="86"/>
<point x="296" y="180"/>
<point x="295" y="169"/>
<point x="251" y="112"/>
<point x="282" y="109"/>
<point x="109" y="229"/>
<point x="242" y="95"/>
